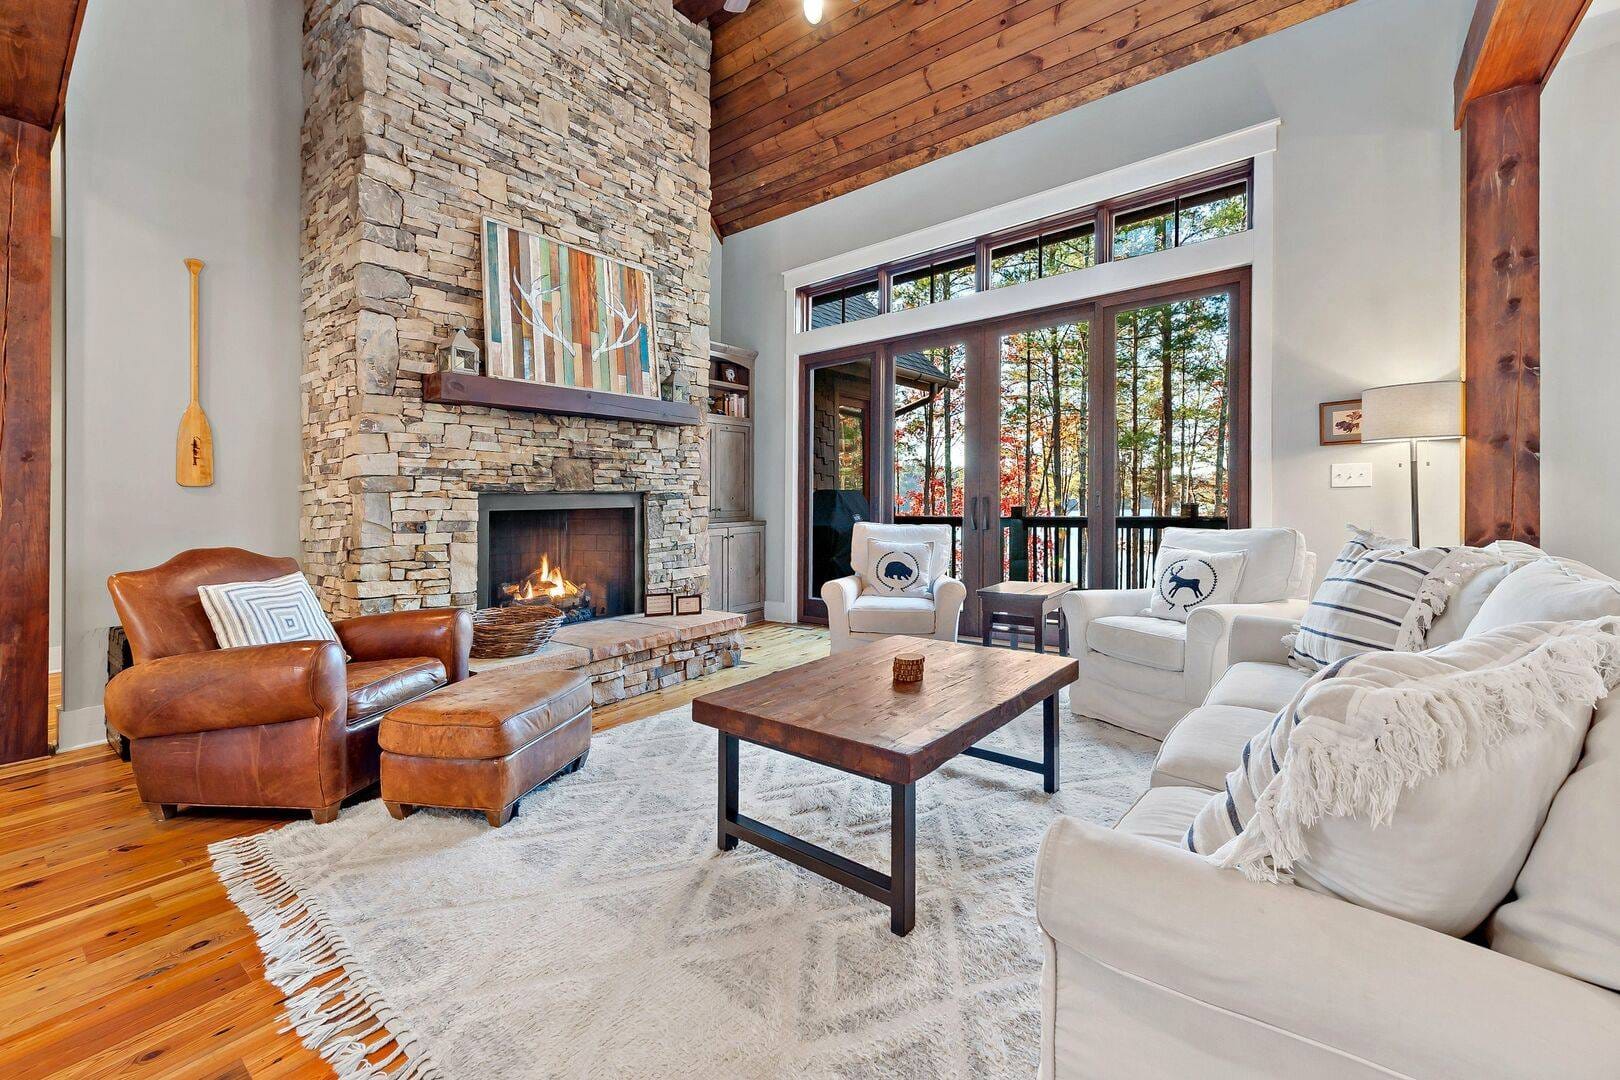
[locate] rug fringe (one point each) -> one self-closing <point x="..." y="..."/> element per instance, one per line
<point x="344" y="1020"/>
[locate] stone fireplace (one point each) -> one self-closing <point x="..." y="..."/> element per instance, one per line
<point x="579" y="553"/>
<point x="585" y="121"/>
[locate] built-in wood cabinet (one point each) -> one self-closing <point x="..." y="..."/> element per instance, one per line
<point x="736" y="540"/>
<point x="731" y="469"/>
<point x="737" y="568"/>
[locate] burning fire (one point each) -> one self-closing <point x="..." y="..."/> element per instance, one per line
<point x="547" y="583"/>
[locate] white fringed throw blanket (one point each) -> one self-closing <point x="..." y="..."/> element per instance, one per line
<point x="1370" y="727"/>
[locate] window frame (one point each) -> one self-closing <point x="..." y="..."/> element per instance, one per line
<point x="1100" y="215"/>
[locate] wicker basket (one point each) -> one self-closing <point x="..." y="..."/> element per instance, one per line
<point x="518" y="630"/>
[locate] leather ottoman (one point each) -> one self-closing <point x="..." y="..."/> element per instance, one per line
<point x="485" y="742"/>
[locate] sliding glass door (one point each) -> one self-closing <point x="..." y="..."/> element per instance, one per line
<point x="1056" y="446"/>
<point x="1043" y="478"/>
<point x="839" y="463"/>
<point x="1179" y="438"/>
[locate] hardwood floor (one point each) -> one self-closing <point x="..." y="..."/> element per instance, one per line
<point x="120" y="954"/>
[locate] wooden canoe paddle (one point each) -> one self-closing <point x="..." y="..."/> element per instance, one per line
<point x="194" y="448"/>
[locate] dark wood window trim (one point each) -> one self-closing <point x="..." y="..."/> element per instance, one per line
<point x="1101" y="216"/>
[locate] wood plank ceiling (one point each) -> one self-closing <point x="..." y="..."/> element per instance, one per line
<point x="803" y="113"/>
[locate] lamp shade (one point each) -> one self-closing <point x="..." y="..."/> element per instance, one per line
<point x="1426" y="410"/>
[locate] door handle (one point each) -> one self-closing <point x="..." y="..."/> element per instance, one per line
<point x="975" y="526"/>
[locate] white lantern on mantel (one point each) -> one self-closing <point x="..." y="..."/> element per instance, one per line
<point x="460" y="356"/>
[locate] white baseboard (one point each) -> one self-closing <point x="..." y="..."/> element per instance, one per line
<point x="777" y="611"/>
<point x="81" y="727"/>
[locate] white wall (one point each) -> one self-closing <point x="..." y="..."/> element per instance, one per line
<point x="716" y="261"/>
<point x="1367" y="242"/>
<point x="183" y="141"/>
<point x="1580" y="284"/>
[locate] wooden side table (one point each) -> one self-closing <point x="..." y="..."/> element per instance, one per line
<point x="1020" y="605"/>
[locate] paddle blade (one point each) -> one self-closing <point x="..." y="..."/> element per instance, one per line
<point x="194" y="449"/>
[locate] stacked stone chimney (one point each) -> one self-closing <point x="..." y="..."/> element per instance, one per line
<point x="584" y="119"/>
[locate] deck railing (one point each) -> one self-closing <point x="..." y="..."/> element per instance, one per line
<point x="1042" y="547"/>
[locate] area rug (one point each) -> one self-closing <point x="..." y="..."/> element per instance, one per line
<point x="601" y="933"/>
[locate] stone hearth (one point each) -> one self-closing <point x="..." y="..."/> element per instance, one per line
<point x="633" y="654"/>
<point x="584" y="119"/>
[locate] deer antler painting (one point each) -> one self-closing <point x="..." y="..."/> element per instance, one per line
<point x="558" y="314"/>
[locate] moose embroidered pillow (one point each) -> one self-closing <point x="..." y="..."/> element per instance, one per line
<point x="897" y="569"/>
<point x="1185" y="580"/>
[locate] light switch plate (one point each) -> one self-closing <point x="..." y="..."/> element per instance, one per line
<point x="1354" y="474"/>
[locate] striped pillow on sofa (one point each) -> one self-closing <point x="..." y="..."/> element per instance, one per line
<point x="1377" y="597"/>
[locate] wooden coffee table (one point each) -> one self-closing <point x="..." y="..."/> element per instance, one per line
<point x="846" y="712"/>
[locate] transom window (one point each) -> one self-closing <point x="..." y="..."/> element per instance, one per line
<point x="1187" y="212"/>
<point x="849" y="304"/>
<point x="933" y="283"/>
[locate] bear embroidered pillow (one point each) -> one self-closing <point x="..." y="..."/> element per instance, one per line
<point x="897" y="569"/>
<point x="1185" y="580"/>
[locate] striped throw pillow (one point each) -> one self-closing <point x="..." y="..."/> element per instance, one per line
<point x="1376" y="599"/>
<point x="265" y="612"/>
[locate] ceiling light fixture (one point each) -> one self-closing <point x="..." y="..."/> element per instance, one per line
<point x="812" y="11"/>
<point x="736" y="7"/>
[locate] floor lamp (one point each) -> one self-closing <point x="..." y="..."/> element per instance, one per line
<point x="1414" y="413"/>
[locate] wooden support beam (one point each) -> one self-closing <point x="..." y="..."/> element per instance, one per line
<point x="1511" y="49"/>
<point x="1513" y="43"/>
<point x="1502" y="315"/>
<point x="37" y="42"/>
<point x="25" y="436"/>
<point x="38" y="39"/>
<point x="712" y="12"/>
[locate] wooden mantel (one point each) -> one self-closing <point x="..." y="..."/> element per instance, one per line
<point x="1511" y="49"/>
<point x="450" y="388"/>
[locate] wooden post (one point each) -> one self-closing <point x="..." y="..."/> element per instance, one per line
<point x="25" y="436"/>
<point x="1502" y="315"/>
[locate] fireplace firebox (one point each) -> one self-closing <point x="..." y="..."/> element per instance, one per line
<point x="581" y="553"/>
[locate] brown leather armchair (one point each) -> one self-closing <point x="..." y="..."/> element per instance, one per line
<point x="291" y="725"/>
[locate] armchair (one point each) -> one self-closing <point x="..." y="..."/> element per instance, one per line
<point x="1145" y="673"/>
<point x="856" y="617"/>
<point x="292" y="725"/>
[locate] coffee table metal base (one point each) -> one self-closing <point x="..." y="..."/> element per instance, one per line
<point x="898" y="888"/>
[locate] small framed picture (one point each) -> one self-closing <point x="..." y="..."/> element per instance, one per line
<point x="659" y="603"/>
<point x="689" y="605"/>
<point x="1340" y="422"/>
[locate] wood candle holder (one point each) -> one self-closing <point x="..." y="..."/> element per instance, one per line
<point x="908" y="667"/>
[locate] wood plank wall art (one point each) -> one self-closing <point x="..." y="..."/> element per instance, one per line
<point x="803" y="113"/>
<point x="564" y="316"/>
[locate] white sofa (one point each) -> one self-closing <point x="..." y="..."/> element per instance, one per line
<point x="1143" y="673"/>
<point x="1158" y="964"/>
<point x="856" y="617"/>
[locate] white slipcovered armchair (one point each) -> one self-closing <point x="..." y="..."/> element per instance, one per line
<point x="1145" y="673"/>
<point x="856" y="616"/>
